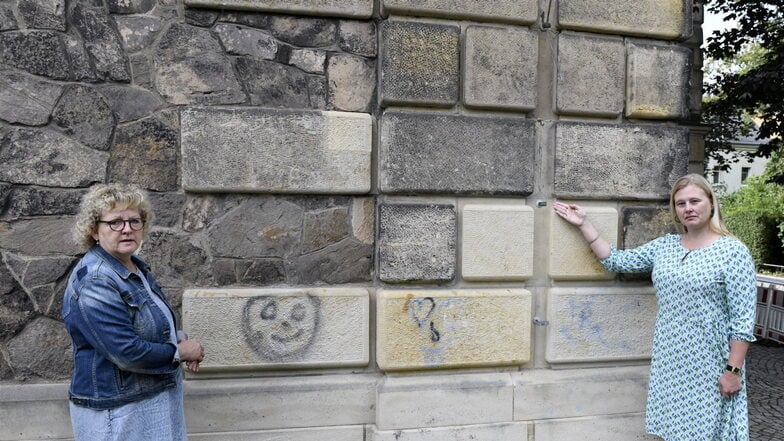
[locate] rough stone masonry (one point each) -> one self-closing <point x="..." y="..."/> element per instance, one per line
<point x="352" y="204"/>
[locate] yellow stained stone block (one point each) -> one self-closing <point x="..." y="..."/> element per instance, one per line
<point x="571" y="257"/>
<point x="432" y="329"/>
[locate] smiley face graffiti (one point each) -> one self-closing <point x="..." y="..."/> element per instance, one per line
<point x="280" y="327"/>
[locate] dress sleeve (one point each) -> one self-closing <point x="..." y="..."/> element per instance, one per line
<point x="740" y="279"/>
<point x="634" y="260"/>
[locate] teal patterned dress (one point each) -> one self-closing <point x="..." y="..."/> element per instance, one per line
<point x="706" y="297"/>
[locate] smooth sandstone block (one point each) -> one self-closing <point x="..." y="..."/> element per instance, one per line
<point x="590" y="75"/>
<point x="250" y="149"/>
<point x="338" y="8"/>
<point x="516" y="11"/>
<point x="571" y="257"/>
<point x="618" y="161"/>
<point x="600" y="324"/>
<point x="340" y="433"/>
<point x="482" y="432"/>
<point x="623" y="427"/>
<point x="497" y="241"/>
<point x="256" y="329"/>
<point x="438" y="329"/>
<point x="500" y="67"/>
<point x="666" y="20"/>
<point x="657" y="81"/>
<point x="429" y="401"/>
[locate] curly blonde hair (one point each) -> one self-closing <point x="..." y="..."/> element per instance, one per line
<point x="106" y="197"/>
<point x="716" y="221"/>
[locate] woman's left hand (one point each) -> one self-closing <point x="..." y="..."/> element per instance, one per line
<point x="729" y="384"/>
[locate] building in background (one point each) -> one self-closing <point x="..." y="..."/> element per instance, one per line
<point x="731" y="180"/>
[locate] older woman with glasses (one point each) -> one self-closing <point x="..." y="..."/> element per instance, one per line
<point x="127" y="382"/>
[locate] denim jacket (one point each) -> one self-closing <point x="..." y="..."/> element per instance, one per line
<point x="121" y="340"/>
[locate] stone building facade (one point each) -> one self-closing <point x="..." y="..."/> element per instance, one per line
<point x="352" y="204"/>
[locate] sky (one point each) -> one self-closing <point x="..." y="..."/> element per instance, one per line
<point x="712" y="23"/>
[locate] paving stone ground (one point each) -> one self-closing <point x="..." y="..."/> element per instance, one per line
<point x="765" y="383"/>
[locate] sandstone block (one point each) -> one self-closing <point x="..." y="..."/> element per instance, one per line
<point x="432" y="329"/>
<point x="237" y="405"/>
<point x="424" y="152"/>
<point x="495" y="432"/>
<point x="618" y="161"/>
<point x="500" y="67"/>
<point x="645" y="223"/>
<point x="340" y="433"/>
<point x="572" y="393"/>
<point x="515" y="11"/>
<point x="590" y="75"/>
<point x="657" y="81"/>
<point x="340" y="8"/>
<point x="256" y="329"/>
<point x="417" y="242"/>
<point x="275" y="151"/>
<point x="352" y="83"/>
<point x="418" y="402"/>
<point x="600" y="324"/>
<point x="571" y="257"/>
<point x="47" y="401"/>
<point x="497" y="241"/>
<point x="653" y="18"/>
<point x="624" y="427"/>
<point x="420" y="63"/>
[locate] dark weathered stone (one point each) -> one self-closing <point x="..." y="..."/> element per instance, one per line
<point x="138" y="31"/>
<point x="31" y="201"/>
<point x="266" y="227"/>
<point x="358" y="37"/>
<point x="130" y="6"/>
<point x="352" y="83"/>
<point x="191" y="68"/>
<point x="201" y="17"/>
<point x="32" y="272"/>
<point x="242" y="40"/>
<point x="255" y="272"/>
<point x="26" y="100"/>
<point x="7" y="18"/>
<point x="145" y="153"/>
<point x="43" y="350"/>
<point x="83" y="114"/>
<point x="270" y="84"/>
<point x="643" y="224"/>
<point x="43" y="157"/>
<point x="322" y="228"/>
<point x="81" y="67"/>
<point x="102" y="42"/>
<point x="309" y="60"/>
<point x="7" y="281"/>
<point x="318" y="90"/>
<point x="200" y="212"/>
<point x="167" y="208"/>
<point x="417" y="243"/>
<point x="5" y="190"/>
<point x="130" y="103"/>
<point x="42" y="236"/>
<point x="347" y="261"/>
<point x="38" y="52"/>
<point x="420" y="63"/>
<point x="304" y="31"/>
<point x="618" y="161"/>
<point x="651" y="18"/>
<point x="456" y="154"/>
<point x="141" y="70"/>
<point x="174" y="259"/>
<point x="5" y="369"/>
<point x="43" y="14"/>
<point x="255" y="19"/>
<point x="16" y="309"/>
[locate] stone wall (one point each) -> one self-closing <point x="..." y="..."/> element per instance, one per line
<point x="352" y="204"/>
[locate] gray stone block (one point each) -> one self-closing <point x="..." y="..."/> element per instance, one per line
<point x="138" y="31"/>
<point x="337" y="8"/>
<point x="271" y="84"/>
<point x="645" y="223"/>
<point x="83" y="114"/>
<point x="242" y="40"/>
<point x="357" y="37"/>
<point x="590" y="78"/>
<point x="514" y="11"/>
<point x="7" y="18"/>
<point x="130" y="6"/>
<point x="129" y="103"/>
<point x="275" y="151"/>
<point x="43" y="14"/>
<point x="102" y="42"/>
<point x="455" y="154"/>
<point x="37" y="52"/>
<point x="420" y="63"/>
<point x="417" y="243"/>
<point x="618" y="161"/>
<point x="653" y="18"/>
<point x="352" y="83"/>
<point x="82" y="69"/>
<point x="347" y="261"/>
<point x="657" y="83"/>
<point x="29" y="201"/>
<point x="42" y="236"/>
<point x="25" y="99"/>
<point x="42" y="351"/>
<point x="500" y="67"/>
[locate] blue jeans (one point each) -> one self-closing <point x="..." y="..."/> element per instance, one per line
<point x="160" y="417"/>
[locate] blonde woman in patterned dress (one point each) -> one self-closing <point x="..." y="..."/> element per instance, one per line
<point x="705" y="284"/>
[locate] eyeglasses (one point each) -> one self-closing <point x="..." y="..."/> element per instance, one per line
<point x="119" y="224"/>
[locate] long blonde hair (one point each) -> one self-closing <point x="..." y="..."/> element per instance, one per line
<point x="716" y="223"/>
<point x="102" y="197"/>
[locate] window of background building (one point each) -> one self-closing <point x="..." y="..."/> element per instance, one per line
<point x="744" y="173"/>
<point x="716" y="171"/>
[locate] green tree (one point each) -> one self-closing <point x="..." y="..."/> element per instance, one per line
<point x="746" y="78"/>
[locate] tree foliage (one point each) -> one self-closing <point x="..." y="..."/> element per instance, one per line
<point x="748" y="81"/>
